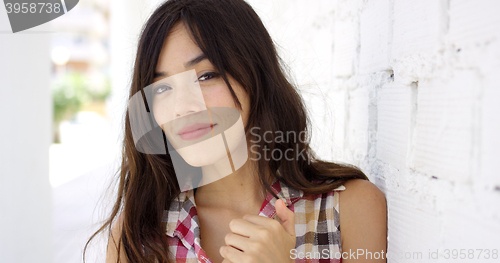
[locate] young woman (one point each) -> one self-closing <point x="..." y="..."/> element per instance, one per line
<point x="265" y="207"/>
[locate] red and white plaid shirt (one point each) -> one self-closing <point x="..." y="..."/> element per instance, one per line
<point x="316" y="225"/>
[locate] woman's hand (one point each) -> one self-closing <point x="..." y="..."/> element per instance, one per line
<point x="259" y="239"/>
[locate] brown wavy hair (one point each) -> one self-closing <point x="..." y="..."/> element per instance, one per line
<point x="235" y="41"/>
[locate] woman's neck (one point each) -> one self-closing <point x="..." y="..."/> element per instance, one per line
<point x="239" y="191"/>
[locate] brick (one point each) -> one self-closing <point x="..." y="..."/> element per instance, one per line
<point x="412" y="228"/>
<point x="375" y="32"/>
<point x="357" y="124"/>
<point x="304" y="37"/>
<point x="444" y="125"/>
<point x="338" y="106"/>
<point x="473" y="22"/>
<point x="344" y="50"/>
<point x="419" y="26"/>
<point x="322" y="122"/>
<point x="413" y="219"/>
<point x="490" y="130"/>
<point x="394" y="106"/>
<point x="461" y="205"/>
<point x="314" y="57"/>
<point x="348" y="9"/>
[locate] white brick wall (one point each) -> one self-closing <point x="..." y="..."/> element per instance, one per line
<point x="394" y="120"/>
<point x="375" y="33"/>
<point x="412" y="97"/>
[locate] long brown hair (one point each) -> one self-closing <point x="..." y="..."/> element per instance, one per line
<point x="235" y="41"/>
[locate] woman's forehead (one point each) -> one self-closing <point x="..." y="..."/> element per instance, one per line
<point x="178" y="49"/>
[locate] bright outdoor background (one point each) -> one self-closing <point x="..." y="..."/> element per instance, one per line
<point x="406" y="90"/>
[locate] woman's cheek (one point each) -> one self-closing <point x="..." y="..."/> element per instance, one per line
<point x="218" y="96"/>
<point x="160" y="114"/>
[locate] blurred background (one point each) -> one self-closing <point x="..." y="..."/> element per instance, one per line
<point x="406" y="90"/>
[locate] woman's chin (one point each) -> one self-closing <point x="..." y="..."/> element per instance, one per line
<point x="197" y="162"/>
<point x="201" y="158"/>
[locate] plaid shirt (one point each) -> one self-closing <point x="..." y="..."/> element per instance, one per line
<point x="316" y="225"/>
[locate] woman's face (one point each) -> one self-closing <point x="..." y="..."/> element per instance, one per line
<point x="193" y="104"/>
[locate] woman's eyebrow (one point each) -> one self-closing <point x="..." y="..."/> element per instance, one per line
<point x="188" y="64"/>
<point x="195" y="60"/>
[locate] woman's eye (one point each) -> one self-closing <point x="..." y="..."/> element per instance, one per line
<point x="207" y="76"/>
<point x="162" y="88"/>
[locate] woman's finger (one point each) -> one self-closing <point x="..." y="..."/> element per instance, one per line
<point x="286" y="216"/>
<point x="273" y="226"/>
<point x="243" y="227"/>
<point x="230" y="253"/>
<point x="236" y="241"/>
<point x="259" y="220"/>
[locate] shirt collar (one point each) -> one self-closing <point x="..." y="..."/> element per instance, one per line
<point x="172" y="216"/>
<point x="289" y="195"/>
<point x="182" y="211"/>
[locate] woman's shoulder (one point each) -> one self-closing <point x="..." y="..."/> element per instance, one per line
<point x="359" y="193"/>
<point x="363" y="215"/>
<point x="361" y="197"/>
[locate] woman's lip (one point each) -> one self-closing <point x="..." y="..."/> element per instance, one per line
<point x="195" y="131"/>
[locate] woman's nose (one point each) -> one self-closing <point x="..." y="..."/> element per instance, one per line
<point x="188" y="99"/>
